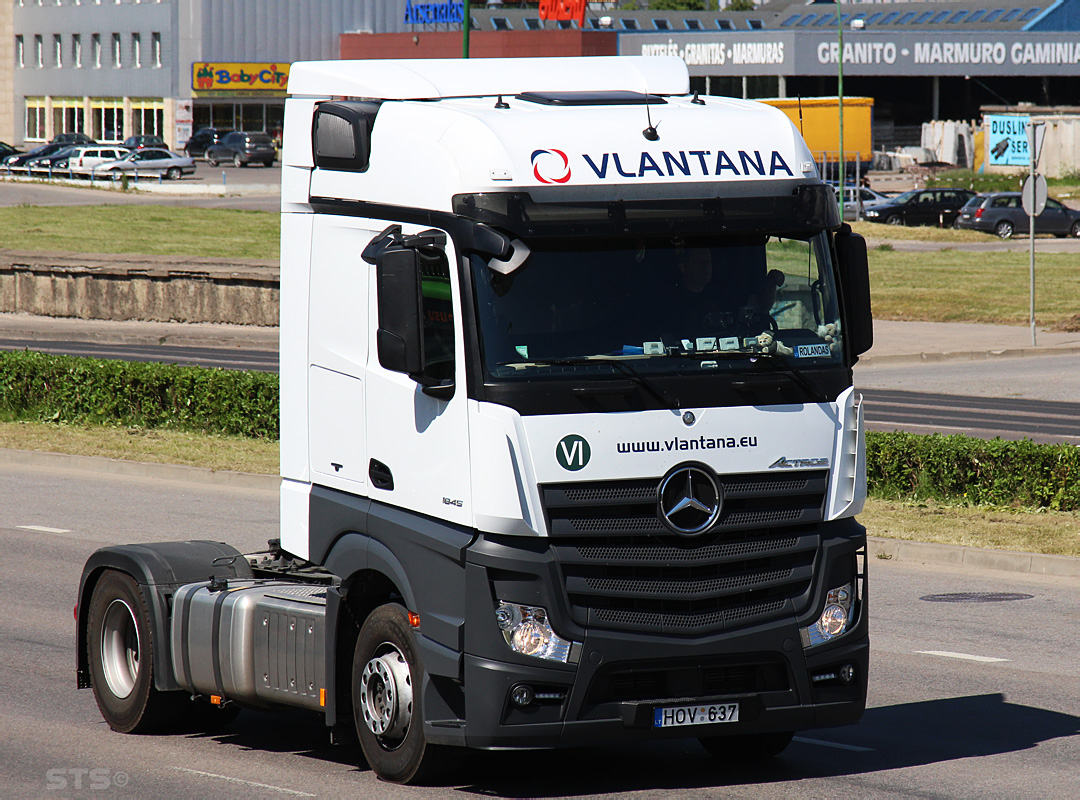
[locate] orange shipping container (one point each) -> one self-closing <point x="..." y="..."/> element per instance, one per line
<point x="821" y="125"/>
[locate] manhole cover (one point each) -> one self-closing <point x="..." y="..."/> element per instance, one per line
<point x="975" y="597"/>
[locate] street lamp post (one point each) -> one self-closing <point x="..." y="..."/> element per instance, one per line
<point x="840" y="99"/>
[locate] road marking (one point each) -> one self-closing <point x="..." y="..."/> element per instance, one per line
<point x="42" y="528"/>
<point x="231" y="779"/>
<point x="852" y="747"/>
<point x="962" y="656"/>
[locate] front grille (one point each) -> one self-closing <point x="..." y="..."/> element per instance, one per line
<point x="622" y="569"/>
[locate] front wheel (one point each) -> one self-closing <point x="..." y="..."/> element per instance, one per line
<point x="121" y="650"/>
<point x="172" y="174"/>
<point x="748" y="748"/>
<point x="895" y="219"/>
<point x="1004" y="229"/>
<point x="1074" y="231"/>
<point x="213" y="162"/>
<point x="236" y="161"/>
<point x="387" y="677"/>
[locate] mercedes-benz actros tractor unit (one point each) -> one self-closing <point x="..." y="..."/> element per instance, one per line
<point x="570" y="451"/>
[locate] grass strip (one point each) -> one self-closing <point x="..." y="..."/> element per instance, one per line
<point x="142" y="229"/>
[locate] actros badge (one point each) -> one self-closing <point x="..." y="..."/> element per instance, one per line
<point x="690" y="499"/>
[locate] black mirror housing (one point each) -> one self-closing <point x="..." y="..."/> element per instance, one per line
<point x="855" y="280"/>
<point x="400" y="338"/>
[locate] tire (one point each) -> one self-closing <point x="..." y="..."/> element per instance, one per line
<point x="236" y="160"/>
<point x="748" y="748"/>
<point x="268" y="163"/>
<point x="213" y="162"/>
<point x="173" y="173"/>
<point x="1074" y="231"/>
<point x="121" y="649"/>
<point x="387" y="705"/>
<point x="894" y="219"/>
<point x="1004" y="229"/>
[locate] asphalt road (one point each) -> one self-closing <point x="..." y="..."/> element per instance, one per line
<point x="939" y="724"/>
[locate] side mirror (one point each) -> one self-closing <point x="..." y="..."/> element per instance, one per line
<point x="855" y="282"/>
<point x="400" y="339"/>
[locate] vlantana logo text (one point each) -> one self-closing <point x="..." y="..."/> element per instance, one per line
<point x="553" y="166"/>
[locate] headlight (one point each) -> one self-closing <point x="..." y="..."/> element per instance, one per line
<point x="835" y="618"/>
<point x="527" y="631"/>
<point x="871" y="212"/>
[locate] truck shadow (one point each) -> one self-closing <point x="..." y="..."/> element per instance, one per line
<point x="888" y="738"/>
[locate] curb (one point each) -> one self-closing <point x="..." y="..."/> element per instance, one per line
<point x="975" y="557"/>
<point x="141" y="469"/>
<point x="961" y="355"/>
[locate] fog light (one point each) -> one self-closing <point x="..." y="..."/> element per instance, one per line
<point x="527" y="631"/>
<point x="522" y="695"/>
<point x="834" y="619"/>
<point x="847" y="673"/>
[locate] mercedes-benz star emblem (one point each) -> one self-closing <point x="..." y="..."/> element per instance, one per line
<point x="690" y="500"/>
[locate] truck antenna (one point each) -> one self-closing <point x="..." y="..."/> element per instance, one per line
<point x="650" y="132"/>
<point x="800" y="117"/>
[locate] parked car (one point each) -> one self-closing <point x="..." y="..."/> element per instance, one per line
<point x="88" y="158"/>
<point x="171" y="165"/>
<point x="853" y="195"/>
<point x="55" y="160"/>
<point x="20" y="159"/>
<point x="921" y="207"/>
<point x="7" y="150"/>
<point x="72" y="137"/>
<point x="243" y="148"/>
<point x="137" y="142"/>
<point x="203" y="138"/>
<point x="1002" y="213"/>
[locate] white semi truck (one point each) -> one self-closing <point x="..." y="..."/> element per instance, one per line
<point x="570" y="450"/>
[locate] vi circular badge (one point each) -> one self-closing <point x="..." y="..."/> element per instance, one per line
<point x="573" y="452"/>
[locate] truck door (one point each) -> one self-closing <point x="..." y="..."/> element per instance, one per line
<point x="418" y="438"/>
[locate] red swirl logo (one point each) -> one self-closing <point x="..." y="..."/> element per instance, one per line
<point x="545" y="157"/>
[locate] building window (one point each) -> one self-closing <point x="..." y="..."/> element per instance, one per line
<point x="116" y="50"/>
<point x="155" y="48"/>
<point x="107" y="119"/>
<point x="68" y="114"/>
<point x="35" y="119"/>
<point x="76" y="49"/>
<point x="95" y="49"/>
<point x="39" y="57"/>
<point x="58" y="50"/>
<point x="20" y="54"/>
<point x="148" y="117"/>
<point x="136" y="50"/>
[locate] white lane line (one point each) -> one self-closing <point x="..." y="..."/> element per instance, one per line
<point x="962" y="656"/>
<point x="42" y="528"/>
<point x="852" y="747"/>
<point x="230" y="779"/>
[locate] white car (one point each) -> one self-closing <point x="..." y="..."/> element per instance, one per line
<point x="151" y="160"/>
<point x="91" y="156"/>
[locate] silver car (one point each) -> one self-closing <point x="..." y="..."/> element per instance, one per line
<point x="151" y="160"/>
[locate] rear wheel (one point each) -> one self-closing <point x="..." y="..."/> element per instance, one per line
<point x="1004" y="229"/>
<point x="1074" y="231"/>
<point x="236" y="160"/>
<point x="749" y="748"/>
<point x="894" y="219"/>
<point x="387" y="706"/>
<point x="121" y="651"/>
<point x="213" y="162"/>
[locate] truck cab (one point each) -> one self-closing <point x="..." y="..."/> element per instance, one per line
<point x="568" y="424"/>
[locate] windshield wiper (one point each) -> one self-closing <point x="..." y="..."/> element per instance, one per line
<point x="776" y="358"/>
<point x="630" y="372"/>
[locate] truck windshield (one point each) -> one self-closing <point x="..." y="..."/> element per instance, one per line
<point x="660" y="306"/>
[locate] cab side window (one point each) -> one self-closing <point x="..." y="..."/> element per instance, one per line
<point x="437" y="312"/>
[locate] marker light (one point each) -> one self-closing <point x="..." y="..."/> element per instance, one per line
<point x="834" y="619"/>
<point x="526" y="630"/>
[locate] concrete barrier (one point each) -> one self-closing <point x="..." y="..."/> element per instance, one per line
<point x="148" y="288"/>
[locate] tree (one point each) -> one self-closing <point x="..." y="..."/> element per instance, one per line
<point x="740" y="5"/>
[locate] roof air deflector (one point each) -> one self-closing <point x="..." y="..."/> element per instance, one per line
<point x="613" y="98"/>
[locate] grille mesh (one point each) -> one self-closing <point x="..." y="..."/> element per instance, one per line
<point x="630" y="586"/>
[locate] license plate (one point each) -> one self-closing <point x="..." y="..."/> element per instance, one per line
<point x="709" y="714"/>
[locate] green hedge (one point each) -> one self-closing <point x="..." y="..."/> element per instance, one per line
<point x="973" y="471"/>
<point x="89" y="390"/>
<point x="899" y="465"/>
